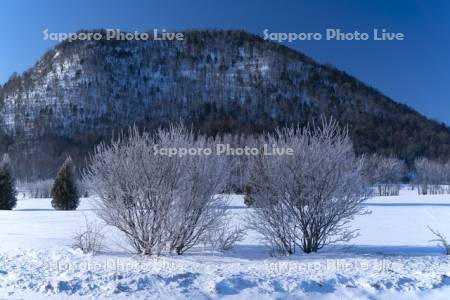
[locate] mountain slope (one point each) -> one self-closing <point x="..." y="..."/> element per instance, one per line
<point x="219" y="81"/>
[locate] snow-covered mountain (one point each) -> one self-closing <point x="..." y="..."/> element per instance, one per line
<point x="219" y="81"/>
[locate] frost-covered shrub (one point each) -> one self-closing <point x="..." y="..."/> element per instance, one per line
<point x="224" y="238"/>
<point x="160" y="203"/>
<point x="384" y="173"/>
<point x="40" y="188"/>
<point x="441" y="239"/>
<point x="90" y="239"/>
<point x="307" y="199"/>
<point x="432" y="177"/>
<point x="64" y="191"/>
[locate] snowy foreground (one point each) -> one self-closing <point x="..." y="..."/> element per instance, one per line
<point x="392" y="259"/>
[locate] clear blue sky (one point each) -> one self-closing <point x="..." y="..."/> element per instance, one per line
<point x="415" y="71"/>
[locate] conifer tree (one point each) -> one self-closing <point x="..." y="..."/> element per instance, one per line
<point x="64" y="191"/>
<point x="255" y="173"/>
<point x="8" y="191"/>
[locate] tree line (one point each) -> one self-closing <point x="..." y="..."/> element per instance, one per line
<point x="162" y="203"/>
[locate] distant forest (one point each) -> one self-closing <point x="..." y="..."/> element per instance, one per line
<point x="218" y="82"/>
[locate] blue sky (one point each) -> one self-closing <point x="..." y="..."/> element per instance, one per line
<point x="415" y="71"/>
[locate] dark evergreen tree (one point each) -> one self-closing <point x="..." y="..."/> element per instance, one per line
<point x="64" y="191"/>
<point x="256" y="171"/>
<point x="248" y="200"/>
<point x="8" y="191"/>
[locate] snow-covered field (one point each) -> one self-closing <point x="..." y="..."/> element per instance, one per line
<point x="392" y="258"/>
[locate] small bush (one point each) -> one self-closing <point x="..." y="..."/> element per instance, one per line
<point x="441" y="239"/>
<point x="224" y="239"/>
<point x="90" y="239"/>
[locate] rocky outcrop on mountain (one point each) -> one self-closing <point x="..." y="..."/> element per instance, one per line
<point x="218" y="81"/>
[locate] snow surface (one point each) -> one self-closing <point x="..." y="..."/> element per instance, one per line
<point x="392" y="259"/>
